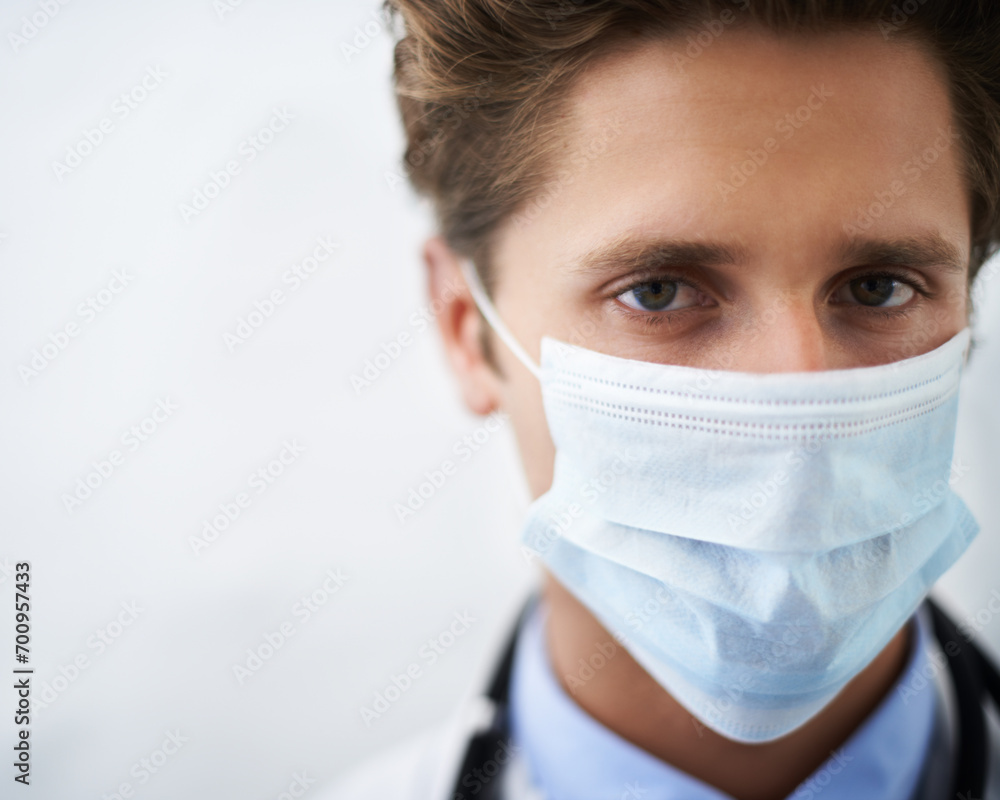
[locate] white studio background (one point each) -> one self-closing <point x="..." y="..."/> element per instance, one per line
<point x="328" y="172"/>
<point x="170" y="284"/>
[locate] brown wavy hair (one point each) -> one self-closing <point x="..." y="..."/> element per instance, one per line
<point x="482" y="85"/>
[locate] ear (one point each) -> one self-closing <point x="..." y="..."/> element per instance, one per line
<point x="461" y="327"/>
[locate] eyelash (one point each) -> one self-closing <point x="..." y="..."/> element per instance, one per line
<point x="652" y="320"/>
<point x="891" y="312"/>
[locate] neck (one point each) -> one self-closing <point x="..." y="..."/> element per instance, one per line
<point x="623" y="697"/>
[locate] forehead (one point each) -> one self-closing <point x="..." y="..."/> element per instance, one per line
<point x="670" y="135"/>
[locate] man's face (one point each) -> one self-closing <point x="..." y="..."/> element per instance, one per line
<point x="798" y="204"/>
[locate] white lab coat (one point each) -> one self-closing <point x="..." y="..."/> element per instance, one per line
<point x="425" y="766"/>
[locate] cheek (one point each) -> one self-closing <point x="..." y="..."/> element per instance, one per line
<point x="955" y="302"/>
<point x="950" y="309"/>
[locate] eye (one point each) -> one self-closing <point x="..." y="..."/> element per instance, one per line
<point x="660" y="295"/>
<point x="875" y="291"/>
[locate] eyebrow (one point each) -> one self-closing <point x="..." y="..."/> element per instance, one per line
<point x="637" y="253"/>
<point x="926" y="251"/>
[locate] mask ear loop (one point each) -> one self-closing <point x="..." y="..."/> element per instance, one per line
<point x="490" y="313"/>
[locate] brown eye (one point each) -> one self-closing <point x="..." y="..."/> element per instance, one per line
<point x="650" y="296"/>
<point x="661" y="296"/>
<point x="655" y="295"/>
<point x="876" y="291"/>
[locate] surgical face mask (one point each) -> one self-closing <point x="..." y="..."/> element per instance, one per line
<point x="753" y="540"/>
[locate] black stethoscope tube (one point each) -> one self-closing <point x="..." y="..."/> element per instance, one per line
<point x="973" y="676"/>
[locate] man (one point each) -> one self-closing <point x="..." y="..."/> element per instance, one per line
<point x="707" y="204"/>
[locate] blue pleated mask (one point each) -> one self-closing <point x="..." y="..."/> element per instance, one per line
<point x="753" y="540"/>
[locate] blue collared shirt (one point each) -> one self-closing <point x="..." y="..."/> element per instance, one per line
<point x="571" y="756"/>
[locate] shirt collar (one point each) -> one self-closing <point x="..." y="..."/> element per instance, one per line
<point x="570" y="755"/>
